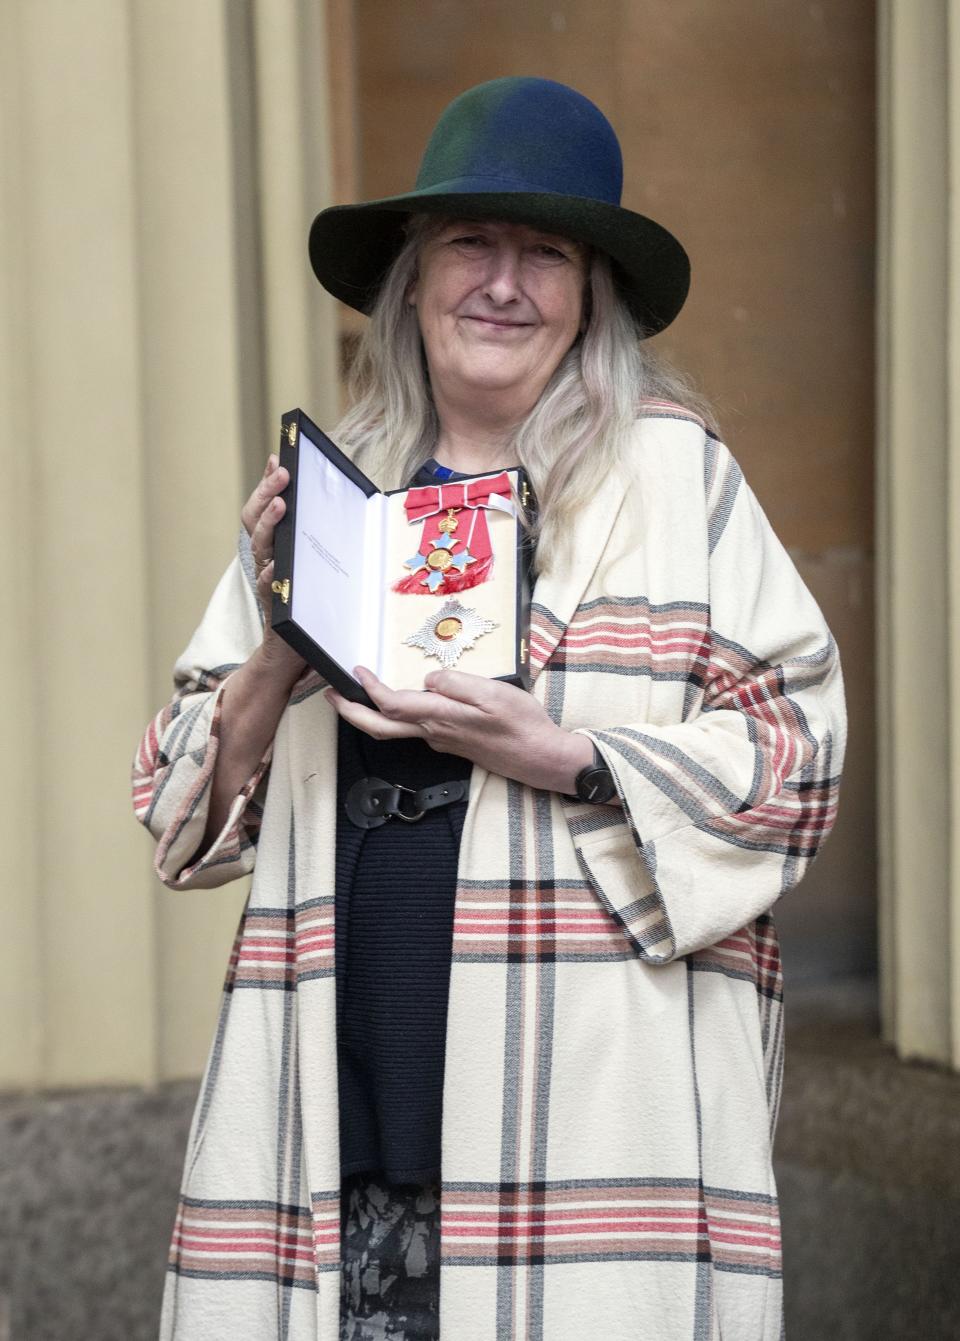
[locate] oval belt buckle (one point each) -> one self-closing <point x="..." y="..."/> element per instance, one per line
<point x="410" y="819"/>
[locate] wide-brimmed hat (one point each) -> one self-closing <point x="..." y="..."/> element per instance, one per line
<point x="527" y="151"/>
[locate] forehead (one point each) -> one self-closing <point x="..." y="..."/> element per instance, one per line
<point x="522" y="233"/>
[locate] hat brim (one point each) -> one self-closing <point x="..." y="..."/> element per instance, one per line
<point x="353" y="246"/>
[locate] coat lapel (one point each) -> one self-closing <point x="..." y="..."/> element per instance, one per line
<point x="557" y="594"/>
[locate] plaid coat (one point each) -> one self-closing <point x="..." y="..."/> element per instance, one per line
<point x="614" y="1042"/>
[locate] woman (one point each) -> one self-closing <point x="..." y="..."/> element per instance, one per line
<point x="601" y="991"/>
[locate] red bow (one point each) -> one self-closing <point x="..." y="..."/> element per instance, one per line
<point x="434" y="498"/>
<point x="428" y="504"/>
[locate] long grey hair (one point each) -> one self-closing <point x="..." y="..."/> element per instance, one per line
<point x="568" y="443"/>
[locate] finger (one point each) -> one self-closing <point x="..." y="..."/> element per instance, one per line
<point x="268" y="486"/>
<point x="264" y="580"/>
<point x="261" y="541"/>
<point x="444" y="723"/>
<point x="366" y="719"/>
<point x="267" y="489"/>
<point x="265" y="591"/>
<point x="476" y="690"/>
<point x="406" y="705"/>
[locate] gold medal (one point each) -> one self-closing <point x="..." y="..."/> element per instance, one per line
<point x="448" y="628"/>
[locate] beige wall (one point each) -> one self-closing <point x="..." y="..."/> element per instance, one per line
<point x="156" y="314"/>
<point x="748" y="128"/>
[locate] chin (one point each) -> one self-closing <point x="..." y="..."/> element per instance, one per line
<point x="488" y="386"/>
<point x="495" y="374"/>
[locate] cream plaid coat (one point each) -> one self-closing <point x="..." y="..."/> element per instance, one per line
<point x="614" y="1043"/>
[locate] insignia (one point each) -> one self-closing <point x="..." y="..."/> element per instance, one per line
<point x="449" y="632"/>
<point x="455" y="550"/>
<point x="440" y="560"/>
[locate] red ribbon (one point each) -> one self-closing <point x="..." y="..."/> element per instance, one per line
<point x="431" y="504"/>
<point x="432" y="498"/>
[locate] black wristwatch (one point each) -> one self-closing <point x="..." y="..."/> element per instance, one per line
<point x="595" y="782"/>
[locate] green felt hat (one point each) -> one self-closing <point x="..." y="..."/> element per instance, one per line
<point x="526" y="151"/>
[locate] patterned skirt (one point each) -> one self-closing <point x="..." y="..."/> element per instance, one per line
<point x="390" y="1285"/>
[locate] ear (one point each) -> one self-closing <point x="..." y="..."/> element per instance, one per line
<point x="411" y="293"/>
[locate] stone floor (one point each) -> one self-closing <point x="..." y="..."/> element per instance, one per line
<point x="88" y="1189"/>
<point x="868" y="1166"/>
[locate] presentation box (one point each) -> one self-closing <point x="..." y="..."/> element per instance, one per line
<point x="402" y="582"/>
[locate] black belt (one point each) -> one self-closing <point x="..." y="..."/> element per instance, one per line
<point x="371" y="801"/>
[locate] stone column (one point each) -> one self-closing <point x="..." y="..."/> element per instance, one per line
<point x="148" y="310"/>
<point x="918" y="540"/>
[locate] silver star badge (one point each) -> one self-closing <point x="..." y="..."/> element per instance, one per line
<point x="449" y="632"/>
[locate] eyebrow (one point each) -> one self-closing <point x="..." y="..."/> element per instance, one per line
<point x="542" y="234"/>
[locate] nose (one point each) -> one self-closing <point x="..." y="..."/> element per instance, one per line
<point x="502" y="280"/>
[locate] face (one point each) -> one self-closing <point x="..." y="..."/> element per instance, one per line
<point x="499" y="305"/>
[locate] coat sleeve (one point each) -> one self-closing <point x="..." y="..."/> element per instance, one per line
<point x="175" y="760"/>
<point x="724" y="812"/>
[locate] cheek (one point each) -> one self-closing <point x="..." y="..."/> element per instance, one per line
<point x="565" y="305"/>
<point x="567" y="320"/>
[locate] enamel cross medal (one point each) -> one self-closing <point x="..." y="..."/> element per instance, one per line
<point x="441" y="558"/>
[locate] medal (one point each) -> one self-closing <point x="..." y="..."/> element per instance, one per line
<point x="455" y="551"/>
<point x="441" y="560"/>
<point x="449" y="632"/>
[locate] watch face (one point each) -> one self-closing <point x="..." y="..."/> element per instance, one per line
<point x="595" y="785"/>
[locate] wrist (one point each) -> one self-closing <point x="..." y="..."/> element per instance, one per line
<point x="274" y="668"/>
<point x="575" y="754"/>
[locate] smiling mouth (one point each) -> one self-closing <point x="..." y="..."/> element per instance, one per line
<point x="501" y="325"/>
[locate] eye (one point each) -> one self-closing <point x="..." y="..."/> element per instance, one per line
<point x="546" y="253"/>
<point x="469" y="241"/>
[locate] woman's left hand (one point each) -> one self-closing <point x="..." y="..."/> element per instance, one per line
<point x="498" y="726"/>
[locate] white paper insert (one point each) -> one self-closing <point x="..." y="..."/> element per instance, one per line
<point x="330" y="555"/>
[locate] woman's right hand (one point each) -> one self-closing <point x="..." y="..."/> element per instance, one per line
<point x="260" y="514"/>
<point x="256" y="693"/>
